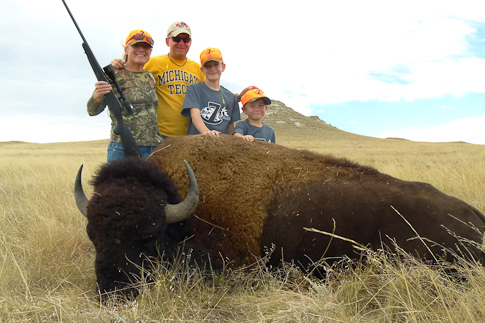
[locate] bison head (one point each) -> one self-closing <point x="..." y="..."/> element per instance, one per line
<point x="134" y="215"/>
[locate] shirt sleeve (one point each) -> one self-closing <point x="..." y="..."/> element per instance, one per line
<point x="239" y="128"/>
<point x="95" y="108"/>
<point x="236" y="114"/>
<point x="190" y="101"/>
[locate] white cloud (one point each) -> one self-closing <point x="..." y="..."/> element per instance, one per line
<point x="468" y="130"/>
<point x="304" y="54"/>
<point x="43" y="129"/>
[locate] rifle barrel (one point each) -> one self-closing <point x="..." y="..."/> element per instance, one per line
<point x="130" y="148"/>
<point x="74" y="21"/>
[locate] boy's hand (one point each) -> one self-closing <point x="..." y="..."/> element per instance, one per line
<point x="248" y="138"/>
<point x="118" y="64"/>
<point x="239" y="96"/>
<point x="213" y="133"/>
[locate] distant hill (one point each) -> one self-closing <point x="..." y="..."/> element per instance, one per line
<point x="290" y="125"/>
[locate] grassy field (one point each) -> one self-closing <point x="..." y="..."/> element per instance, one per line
<point x="47" y="260"/>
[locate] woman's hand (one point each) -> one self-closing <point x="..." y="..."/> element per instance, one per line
<point x="101" y="89"/>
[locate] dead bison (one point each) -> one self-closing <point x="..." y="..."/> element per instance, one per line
<point x="256" y="195"/>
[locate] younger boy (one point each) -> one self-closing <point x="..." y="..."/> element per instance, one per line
<point x="211" y="107"/>
<point x="254" y="105"/>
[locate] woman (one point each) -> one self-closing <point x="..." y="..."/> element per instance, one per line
<point x="139" y="88"/>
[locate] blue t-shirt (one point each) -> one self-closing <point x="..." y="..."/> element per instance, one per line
<point x="265" y="133"/>
<point x="218" y="109"/>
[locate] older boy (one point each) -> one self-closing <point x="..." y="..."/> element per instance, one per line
<point x="211" y="107"/>
<point x="254" y="105"/>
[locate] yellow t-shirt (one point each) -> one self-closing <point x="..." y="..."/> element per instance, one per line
<point x="172" y="79"/>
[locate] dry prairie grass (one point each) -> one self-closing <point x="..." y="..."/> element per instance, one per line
<point x="46" y="258"/>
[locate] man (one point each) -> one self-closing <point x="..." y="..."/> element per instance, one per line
<point x="173" y="72"/>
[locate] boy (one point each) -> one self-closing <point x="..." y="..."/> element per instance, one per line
<point x="211" y="107"/>
<point x="254" y="105"/>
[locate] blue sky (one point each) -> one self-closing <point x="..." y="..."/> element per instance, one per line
<point x="402" y="118"/>
<point x="409" y="69"/>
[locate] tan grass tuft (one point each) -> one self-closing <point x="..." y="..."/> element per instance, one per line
<point x="47" y="260"/>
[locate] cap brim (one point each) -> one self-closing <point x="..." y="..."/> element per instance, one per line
<point x="140" y="41"/>
<point x="177" y="32"/>
<point x="265" y="99"/>
<point x="214" y="60"/>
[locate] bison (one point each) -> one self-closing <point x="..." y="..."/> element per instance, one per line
<point x="254" y="195"/>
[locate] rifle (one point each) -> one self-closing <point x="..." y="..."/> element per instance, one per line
<point x="130" y="148"/>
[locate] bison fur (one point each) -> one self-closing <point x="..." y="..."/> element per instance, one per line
<point x="256" y="195"/>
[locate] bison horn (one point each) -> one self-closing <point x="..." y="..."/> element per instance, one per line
<point x="179" y="212"/>
<point x="81" y="199"/>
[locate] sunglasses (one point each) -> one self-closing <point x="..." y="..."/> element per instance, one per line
<point x="178" y="39"/>
<point x="141" y="37"/>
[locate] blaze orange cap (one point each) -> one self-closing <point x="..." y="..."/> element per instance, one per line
<point x="210" y="54"/>
<point x="139" y="36"/>
<point x="253" y="95"/>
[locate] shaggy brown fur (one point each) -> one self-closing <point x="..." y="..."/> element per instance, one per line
<point x="127" y="223"/>
<point x="254" y="194"/>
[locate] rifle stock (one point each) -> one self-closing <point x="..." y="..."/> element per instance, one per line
<point x="130" y="148"/>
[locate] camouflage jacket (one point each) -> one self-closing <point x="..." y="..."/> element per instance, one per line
<point x="140" y="91"/>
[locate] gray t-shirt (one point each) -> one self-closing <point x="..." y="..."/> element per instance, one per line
<point x="265" y="133"/>
<point x="216" y="112"/>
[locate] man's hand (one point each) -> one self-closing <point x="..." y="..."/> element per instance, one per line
<point x="118" y="64"/>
